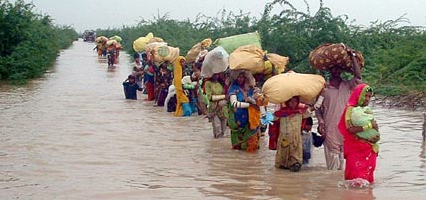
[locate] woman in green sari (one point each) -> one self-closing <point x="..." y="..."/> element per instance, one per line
<point x="244" y="131"/>
<point x="217" y="110"/>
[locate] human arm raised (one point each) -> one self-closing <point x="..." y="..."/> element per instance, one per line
<point x="355" y="66"/>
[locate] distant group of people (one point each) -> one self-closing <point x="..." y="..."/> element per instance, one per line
<point x="109" y="49"/>
<point x="233" y="99"/>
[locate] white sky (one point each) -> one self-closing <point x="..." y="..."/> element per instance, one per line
<point x="92" y="14"/>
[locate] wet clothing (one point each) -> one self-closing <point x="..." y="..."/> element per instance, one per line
<point x="360" y="155"/>
<point x="217" y="109"/>
<point x="137" y="68"/>
<point x="163" y="82"/>
<point x="181" y="98"/>
<point x="308" y="139"/>
<point x="332" y="108"/>
<point x="242" y="137"/>
<point x="130" y="90"/>
<point x="149" y="81"/>
<point x="289" y="145"/>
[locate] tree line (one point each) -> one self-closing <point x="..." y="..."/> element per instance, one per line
<point x="395" y="53"/>
<point x="29" y="42"/>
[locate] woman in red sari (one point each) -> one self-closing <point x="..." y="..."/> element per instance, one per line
<point x="359" y="153"/>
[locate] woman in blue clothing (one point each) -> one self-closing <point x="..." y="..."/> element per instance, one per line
<point x="243" y="135"/>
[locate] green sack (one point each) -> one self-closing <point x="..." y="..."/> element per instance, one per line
<point x="233" y="42"/>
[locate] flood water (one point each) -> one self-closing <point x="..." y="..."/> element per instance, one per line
<point x="71" y="135"/>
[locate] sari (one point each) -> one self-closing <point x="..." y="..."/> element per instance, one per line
<point x="359" y="154"/>
<point x="289" y="144"/>
<point x="242" y="137"/>
<point x="181" y="98"/>
<point x="218" y="112"/>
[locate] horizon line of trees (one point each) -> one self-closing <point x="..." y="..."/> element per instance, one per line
<point x="395" y="54"/>
<point x="29" y="42"/>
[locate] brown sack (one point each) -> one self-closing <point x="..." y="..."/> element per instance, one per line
<point x="328" y="55"/>
<point x="162" y="52"/>
<point x="155" y="39"/>
<point x="280" y="88"/>
<point x="192" y="54"/>
<point x="195" y="51"/>
<point x="278" y="61"/>
<point x="248" y="57"/>
<point x="206" y="42"/>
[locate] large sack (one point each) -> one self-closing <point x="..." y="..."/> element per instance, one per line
<point x="155" y="39"/>
<point x="140" y="43"/>
<point x="233" y="42"/>
<point x="116" y="38"/>
<point x="216" y="61"/>
<point x="206" y="42"/>
<point x="162" y="52"/>
<point x="194" y="52"/>
<point x="101" y="39"/>
<point x="328" y="55"/>
<point x="280" y="88"/>
<point x="248" y="57"/>
<point x="278" y="61"/>
<point x="111" y="42"/>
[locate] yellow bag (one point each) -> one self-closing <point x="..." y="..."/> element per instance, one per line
<point x="248" y="57"/>
<point x="280" y="88"/>
<point x="140" y="43"/>
<point x="278" y="61"/>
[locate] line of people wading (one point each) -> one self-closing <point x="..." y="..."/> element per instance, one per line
<point x="233" y="92"/>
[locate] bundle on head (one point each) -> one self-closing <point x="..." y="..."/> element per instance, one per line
<point x="330" y="55"/>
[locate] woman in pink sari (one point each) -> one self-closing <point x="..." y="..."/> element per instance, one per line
<point x="359" y="153"/>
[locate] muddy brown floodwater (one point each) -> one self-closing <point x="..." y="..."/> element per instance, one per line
<point x="71" y="135"/>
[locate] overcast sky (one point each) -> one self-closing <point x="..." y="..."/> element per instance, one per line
<point x="92" y="14"/>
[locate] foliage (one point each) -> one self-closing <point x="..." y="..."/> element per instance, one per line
<point x="394" y="52"/>
<point x="29" y="43"/>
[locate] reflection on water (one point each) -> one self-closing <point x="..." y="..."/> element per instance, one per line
<point x="71" y="135"/>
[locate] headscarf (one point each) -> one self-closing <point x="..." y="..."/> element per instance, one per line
<point x="249" y="81"/>
<point x="286" y="111"/>
<point x="358" y="95"/>
<point x="351" y="142"/>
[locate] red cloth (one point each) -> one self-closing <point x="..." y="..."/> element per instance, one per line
<point x="274" y="132"/>
<point x="274" y="129"/>
<point x="359" y="154"/>
<point x="150" y="88"/>
<point x="286" y="111"/>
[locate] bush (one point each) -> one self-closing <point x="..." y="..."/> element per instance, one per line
<point x="393" y="53"/>
<point x="29" y="42"/>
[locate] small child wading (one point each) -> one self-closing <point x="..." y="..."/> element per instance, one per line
<point x="289" y="147"/>
<point x="309" y="138"/>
